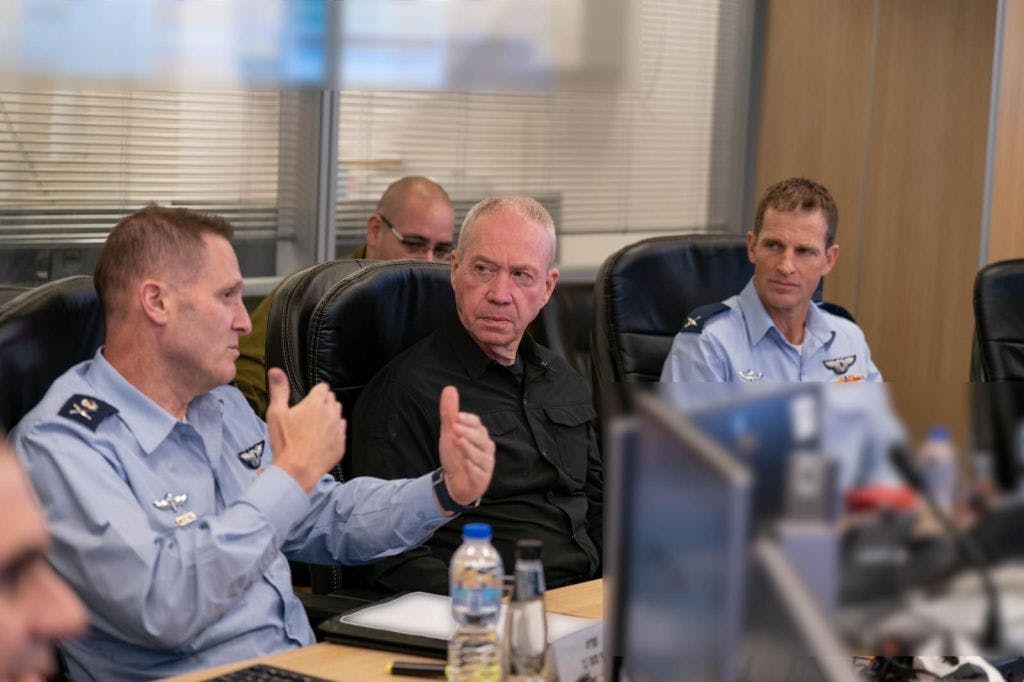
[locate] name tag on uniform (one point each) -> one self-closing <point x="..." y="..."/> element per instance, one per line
<point x="185" y="519"/>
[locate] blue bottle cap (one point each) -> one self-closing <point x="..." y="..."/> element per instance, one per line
<point x="476" y="531"/>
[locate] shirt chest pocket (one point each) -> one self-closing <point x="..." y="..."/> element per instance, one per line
<point x="511" y="463"/>
<point x="570" y="429"/>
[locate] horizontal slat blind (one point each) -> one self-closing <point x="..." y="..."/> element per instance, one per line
<point x="72" y="163"/>
<point x="648" y="156"/>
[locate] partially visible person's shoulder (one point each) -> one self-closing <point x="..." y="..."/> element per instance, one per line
<point x="552" y="360"/>
<point x="568" y="386"/>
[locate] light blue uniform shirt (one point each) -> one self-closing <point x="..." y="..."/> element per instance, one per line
<point x="742" y="344"/>
<point x="174" y="584"/>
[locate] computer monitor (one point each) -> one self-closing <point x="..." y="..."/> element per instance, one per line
<point x="676" y="549"/>
<point x="762" y="427"/>
<point x="786" y="634"/>
<point x="689" y="593"/>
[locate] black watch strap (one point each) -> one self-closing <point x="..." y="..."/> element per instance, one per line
<point x="444" y="498"/>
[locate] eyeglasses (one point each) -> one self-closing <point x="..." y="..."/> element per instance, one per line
<point x="419" y="245"/>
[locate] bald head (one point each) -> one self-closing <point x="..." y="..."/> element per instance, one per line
<point x="414" y="187"/>
<point x="414" y="219"/>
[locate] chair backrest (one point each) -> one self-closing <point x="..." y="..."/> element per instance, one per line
<point x="368" y="318"/>
<point x="43" y="332"/>
<point x="642" y="295"/>
<point x="359" y="325"/>
<point x="999" y="322"/>
<point x="564" y="325"/>
<point x="292" y="305"/>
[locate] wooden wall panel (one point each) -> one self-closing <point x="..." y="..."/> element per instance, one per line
<point x="1006" y="225"/>
<point x="814" y="108"/>
<point x="923" y="204"/>
<point x="887" y="104"/>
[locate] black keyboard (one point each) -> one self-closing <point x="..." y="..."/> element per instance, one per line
<point x="265" y="673"/>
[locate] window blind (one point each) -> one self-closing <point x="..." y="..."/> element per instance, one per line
<point x="654" y="154"/>
<point x="73" y="163"/>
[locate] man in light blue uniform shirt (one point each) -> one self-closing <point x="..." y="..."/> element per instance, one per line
<point x="772" y="331"/>
<point x="737" y="340"/>
<point x="172" y="506"/>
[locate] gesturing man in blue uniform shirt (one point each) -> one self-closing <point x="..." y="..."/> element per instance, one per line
<point x="772" y="331"/>
<point x="172" y="506"/>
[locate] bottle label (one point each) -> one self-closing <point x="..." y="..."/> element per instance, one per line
<point x="479" y="601"/>
<point x="529" y="585"/>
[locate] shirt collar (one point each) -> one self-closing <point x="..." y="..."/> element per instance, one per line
<point x="473" y="358"/>
<point x="758" y="320"/>
<point x="148" y="422"/>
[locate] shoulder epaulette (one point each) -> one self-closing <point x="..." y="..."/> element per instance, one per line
<point x="86" y="410"/>
<point x="695" y="321"/>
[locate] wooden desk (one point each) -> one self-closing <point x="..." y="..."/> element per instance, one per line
<point x="338" y="662"/>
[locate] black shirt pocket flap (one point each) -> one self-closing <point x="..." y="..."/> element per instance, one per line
<point x="498" y="423"/>
<point x="571" y="415"/>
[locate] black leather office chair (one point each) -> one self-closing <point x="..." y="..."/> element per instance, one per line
<point x="349" y="330"/>
<point x="997" y="366"/>
<point x="43" y="332"/>
<point x="368" y="318"/>
<point x="292" y="305"/>
<point x="564" y="325"/>
<point x="999" y="322"/>
<point x="642" y="295"/>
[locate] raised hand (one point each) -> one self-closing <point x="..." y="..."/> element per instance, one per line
<point x="309" y="438"/>
<point x="466" y="450"/>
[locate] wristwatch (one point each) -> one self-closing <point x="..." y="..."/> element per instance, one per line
<point x="444" y="498"/>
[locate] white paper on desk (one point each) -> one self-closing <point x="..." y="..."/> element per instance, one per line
<point x="430" y="615"/>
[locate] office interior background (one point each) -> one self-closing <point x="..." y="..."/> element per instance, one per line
<point x="628" y="119"/>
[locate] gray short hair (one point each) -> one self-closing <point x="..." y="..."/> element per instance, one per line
<point x="524" y="207"/>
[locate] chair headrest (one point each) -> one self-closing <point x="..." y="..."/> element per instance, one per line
<point x="370" y="317"/>
<point x="999" y="319"/>
<point x="645" y="290"/>
<point x="651" y="285"/>
<point x="44" y="332"/>
<point x="287" y="341"/>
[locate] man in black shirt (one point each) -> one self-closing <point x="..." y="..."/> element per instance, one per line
<point x="547" y="481"/>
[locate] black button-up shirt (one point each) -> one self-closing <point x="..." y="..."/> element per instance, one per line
<point x="547" y="481"/>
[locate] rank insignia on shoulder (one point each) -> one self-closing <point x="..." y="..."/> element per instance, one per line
<point x="252" y="456"/>
<point x="697" y="318"/>
<point x="86" y="410"/>
<point x="840" y="365"/>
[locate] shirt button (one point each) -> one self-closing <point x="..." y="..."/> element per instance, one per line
<point x="544" y="363"/>
<point x="544" y="452"/>
<point x="525" y="401"/>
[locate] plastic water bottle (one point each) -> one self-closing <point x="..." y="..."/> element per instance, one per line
<point x="937" y="459"/>
<point x="527" y="626"/>
<point x="474" y="653"/>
